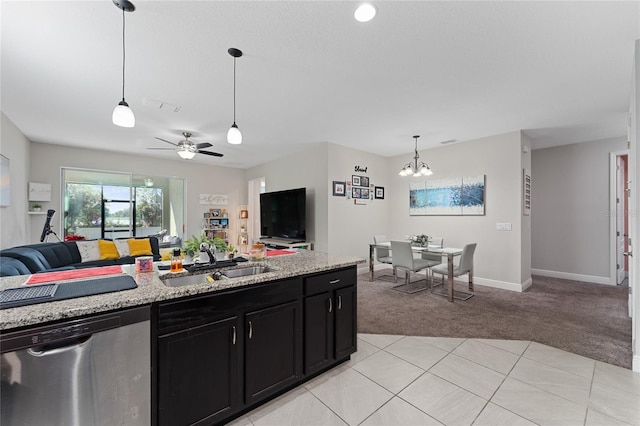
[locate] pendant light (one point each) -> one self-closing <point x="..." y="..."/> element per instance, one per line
<point x="233" y="135"/>
<point x="416" y="169"/>
<point x="123" y="115"/>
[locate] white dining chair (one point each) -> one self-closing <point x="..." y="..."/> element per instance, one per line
<point x="434" y="259"/>
<point x="403" y="259"/>
<point x="465" y="266"/>
<point x="383" y="255"/>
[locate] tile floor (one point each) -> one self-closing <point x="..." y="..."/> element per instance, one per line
<point x="404" y="380"/>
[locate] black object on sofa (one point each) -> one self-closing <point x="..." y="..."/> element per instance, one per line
<point x="56" y="256"/>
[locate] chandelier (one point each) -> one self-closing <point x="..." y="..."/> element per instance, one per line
<point x="415" y="168"/>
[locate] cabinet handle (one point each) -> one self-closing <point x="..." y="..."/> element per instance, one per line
<point x="339" y="302"/>
<point x="250" y="330"/>
<point x="330" y="305"/>
<point x="334" y="281"/>
<point x="233" y="340"/>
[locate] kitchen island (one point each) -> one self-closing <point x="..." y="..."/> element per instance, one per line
<point x="151" y="288"/>
<point x="221" y="348"/>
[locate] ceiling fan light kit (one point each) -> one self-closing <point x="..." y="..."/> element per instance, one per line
<point x="123" y="115"/>
<point x="187" y="149"/>
<point x="233" y="135"/>
<point x="186" y="153"/>
<point x="416" y="169"/>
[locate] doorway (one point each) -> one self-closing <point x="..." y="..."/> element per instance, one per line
<point x="620" y="216"/>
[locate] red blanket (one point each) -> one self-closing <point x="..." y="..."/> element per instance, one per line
<point x="279" y="252"/>
<point x="74" y="273"/>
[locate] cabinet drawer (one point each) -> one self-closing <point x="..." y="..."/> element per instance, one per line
<point x="329" y="280"/>
<point x="185" y="313"/>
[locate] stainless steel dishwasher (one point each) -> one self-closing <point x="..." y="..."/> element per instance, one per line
<point x="90" y="371"/>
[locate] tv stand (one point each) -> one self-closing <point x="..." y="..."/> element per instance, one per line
<point x="277" y="244"/>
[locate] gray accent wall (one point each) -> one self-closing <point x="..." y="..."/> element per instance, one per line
<point x="571" y="235"/>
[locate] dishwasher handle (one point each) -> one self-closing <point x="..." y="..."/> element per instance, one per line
<point x="58" y="347"/>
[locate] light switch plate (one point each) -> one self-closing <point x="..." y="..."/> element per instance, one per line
<point x="503" y="226"/>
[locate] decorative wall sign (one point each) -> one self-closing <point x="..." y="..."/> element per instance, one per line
<point x="453" y="196"/>
<point x="39" y="191"/>
<point x="338" y="188"/>
<point x="214" y="199"/>
<point x="526" y="192"/>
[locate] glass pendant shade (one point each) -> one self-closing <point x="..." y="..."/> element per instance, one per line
<point x="234" y="136"/>
<point x="123" y="115"/>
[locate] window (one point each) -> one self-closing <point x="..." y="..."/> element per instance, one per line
<point x="101" y="204"/>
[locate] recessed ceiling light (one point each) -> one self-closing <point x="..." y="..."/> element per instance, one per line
<point x="365" y="12"/>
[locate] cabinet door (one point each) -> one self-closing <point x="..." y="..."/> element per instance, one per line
<point x="318" y="332"/>
<point x="197" y="374"/>
<point x="346" y="321"/>
<point x="273" y="350"/>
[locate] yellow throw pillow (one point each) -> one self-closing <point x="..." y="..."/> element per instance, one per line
<point x="140" y="247"/>
<point x="165" y="253"/>
<point x="108" y="250"/>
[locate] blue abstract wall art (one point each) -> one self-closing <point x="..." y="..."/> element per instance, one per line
<point x="453" y="196"/>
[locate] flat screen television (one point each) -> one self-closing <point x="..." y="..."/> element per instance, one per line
<point x="282" y="214"/>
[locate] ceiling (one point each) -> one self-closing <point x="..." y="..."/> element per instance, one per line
<point x="310" y="73"/>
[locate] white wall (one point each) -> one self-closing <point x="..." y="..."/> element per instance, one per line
<point x="570" y="210"/>
<point x="497" y="260"/>
<point x="48" y="159"/>
<point x="306" y="169"/>
<point x="13" y="219"/>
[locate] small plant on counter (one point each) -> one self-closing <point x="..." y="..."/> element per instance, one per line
<point x="220" y="245"/>
<point x="192" y="246"/>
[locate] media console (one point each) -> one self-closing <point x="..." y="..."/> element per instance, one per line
<point x="276" y="244"/>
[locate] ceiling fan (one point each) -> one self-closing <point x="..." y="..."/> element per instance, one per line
<point x="187" y="149"/>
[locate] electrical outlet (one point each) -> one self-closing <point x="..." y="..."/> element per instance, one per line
<point x="503" y="226"/>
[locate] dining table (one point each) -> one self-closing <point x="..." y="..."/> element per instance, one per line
<point x="449" y="252"/>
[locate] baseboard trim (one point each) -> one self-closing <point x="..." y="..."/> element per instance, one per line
<point x="503" y="285"/>
<point x="636" y="363"/>
<point x="574" y="277"/>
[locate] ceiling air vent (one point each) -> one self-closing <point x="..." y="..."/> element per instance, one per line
<point x="162" y="105"/>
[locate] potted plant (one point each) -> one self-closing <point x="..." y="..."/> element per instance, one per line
<point x="36" y="207"/>
<point x="191" y="246"/>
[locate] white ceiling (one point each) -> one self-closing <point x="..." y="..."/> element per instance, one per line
<point x="310" y="73"/>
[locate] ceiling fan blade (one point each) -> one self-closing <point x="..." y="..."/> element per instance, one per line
<point x="214" y="154"/>
<point x="203" y="145"/>
<point x="164" y="140"/>
<point x="163" y="149"/>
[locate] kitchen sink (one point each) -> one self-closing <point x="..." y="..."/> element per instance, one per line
<point x="188" y="280"/>
<point x="243" y="272"/>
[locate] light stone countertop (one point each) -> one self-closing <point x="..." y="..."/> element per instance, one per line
<point x="151" y="289"/>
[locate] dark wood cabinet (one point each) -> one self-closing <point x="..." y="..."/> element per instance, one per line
<point x="197" y="378"/>
<point x="329" y="319"/>
<point x="318" y="332"/>
<point x="346" y="322"/>
<point x="218" y="355"/>
<point x="273" y="350"/>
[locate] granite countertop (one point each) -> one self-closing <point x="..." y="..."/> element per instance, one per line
<point x="151" y="289"/>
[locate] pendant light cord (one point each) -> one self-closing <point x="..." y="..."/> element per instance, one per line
<point x="123" y="53"/>
<point x="234" y="90"/>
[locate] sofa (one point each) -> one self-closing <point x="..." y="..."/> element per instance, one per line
<point x="60" y="256"/>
